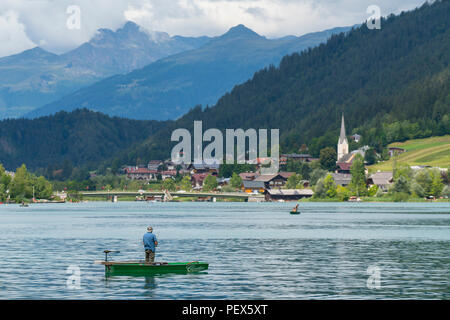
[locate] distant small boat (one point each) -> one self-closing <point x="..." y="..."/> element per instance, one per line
<point x="354" y="199"/>
<point x="24" y="205"/>
<point x="295" y="212"/>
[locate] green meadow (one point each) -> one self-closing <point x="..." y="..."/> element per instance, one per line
<point x="434" y="151"/>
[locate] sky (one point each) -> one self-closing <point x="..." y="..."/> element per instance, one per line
<point x="61" y="25"/>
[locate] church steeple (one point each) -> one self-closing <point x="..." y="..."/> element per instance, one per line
<point x="343" y="135"/>
<point x="343" y="142"/>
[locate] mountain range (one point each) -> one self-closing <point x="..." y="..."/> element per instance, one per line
<point x="169" y="87"/>
<point x="393" y="84"/>
<point x="36" y="77"/>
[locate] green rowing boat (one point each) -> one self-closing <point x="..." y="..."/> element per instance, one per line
<point x="141" y="268"/>
<point x="295" y="212"/>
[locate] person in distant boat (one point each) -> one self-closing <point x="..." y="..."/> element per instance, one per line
<point x="295" y="208"/>
<point x="150" y="243"/>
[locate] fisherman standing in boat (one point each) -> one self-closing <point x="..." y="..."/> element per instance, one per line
<point x="150" y="243"/>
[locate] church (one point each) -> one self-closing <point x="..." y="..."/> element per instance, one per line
<point x="344" y="157"/>
<point x="342" y="148"/>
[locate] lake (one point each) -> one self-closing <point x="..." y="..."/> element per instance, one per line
<point x="255" y="250"/>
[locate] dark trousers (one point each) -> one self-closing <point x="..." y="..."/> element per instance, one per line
<point x="149" y="256"/>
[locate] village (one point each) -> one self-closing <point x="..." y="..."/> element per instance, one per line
<point x="282" y="186"/>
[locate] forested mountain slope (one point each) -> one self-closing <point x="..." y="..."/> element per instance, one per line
<point x="392" y="84"/>
<point x="81" y="137"/>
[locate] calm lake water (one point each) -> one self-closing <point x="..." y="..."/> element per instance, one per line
<point x="255" y="250"/>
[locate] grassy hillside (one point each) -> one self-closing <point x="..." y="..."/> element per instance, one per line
<point x="434" y="151"/>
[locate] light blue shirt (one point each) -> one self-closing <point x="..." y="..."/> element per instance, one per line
<point x="149" y="241"/>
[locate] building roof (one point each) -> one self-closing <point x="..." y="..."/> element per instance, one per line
<point x="251" y="184"/>
<point x="266" y="177"/>
<point x="223" y="180"/>
<point x="290" y="192"/>
<point x="134" y="170"/>
<point x="286" y="174"/>
<point x="382" y="178"/>
<point x="396" y="148"/>
<point x="169" y="173"/>
<point x="350" y="157"/>
<point x="347" y="158"/>
<point x="344" y="166"/>
<point x="204" y="165"/>
<point x="247" y="175"/>
<point x="199" y="177"/>
<point x="420" y="167"/>
<point x="342" y="178"/>
<point x="264" y="161"/>
<point x="296" y="155"/>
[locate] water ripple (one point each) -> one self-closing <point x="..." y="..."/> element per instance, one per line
<point x="255" y="251"/>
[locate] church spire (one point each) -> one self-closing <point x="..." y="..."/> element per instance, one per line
<point x="342" y="148"/>
<point x="343" y="135"/>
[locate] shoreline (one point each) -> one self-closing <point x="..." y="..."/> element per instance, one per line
<point x="241" y="201"/>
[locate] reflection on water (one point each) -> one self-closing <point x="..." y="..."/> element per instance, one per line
<point x="255" y="250"/>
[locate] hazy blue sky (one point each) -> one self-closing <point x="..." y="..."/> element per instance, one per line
<point x="28" y="23"/>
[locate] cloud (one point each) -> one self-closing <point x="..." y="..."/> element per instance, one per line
<point x="12" y="35"/>
<point x="44" y="22"/>
<point x="272" y="18"/>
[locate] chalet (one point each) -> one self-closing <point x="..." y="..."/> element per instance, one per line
<point x="346" y="161"/>
<point x="304" y="183"/>
<point x="170" y="165"/>
<point x="381" y="179"/>
<point x="197" y="179"/>
<point x="125" y="168"/>
<point x="342" y="179"/>
<point x="168" y="174"/>
<point x="420" y="167"/>
<point x="286" y="174"/>
<point x="343" y="167"/>
<point x="263" y="161"/>
<point x="183" y="169"/>
<point x="137" y="173"/>
<point x="204" y="167"/>
<point x="250" y="186"/>
<point x="356" y="137"/>
<point x="154" y="164"/>
<point x="295" y="157"/>
<point x="288" y="194"/>
<point x="272" y="180"/>
<point x="248" y="176"/>
<point x="393" y="151"/>
<point x="223" y="181"/>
